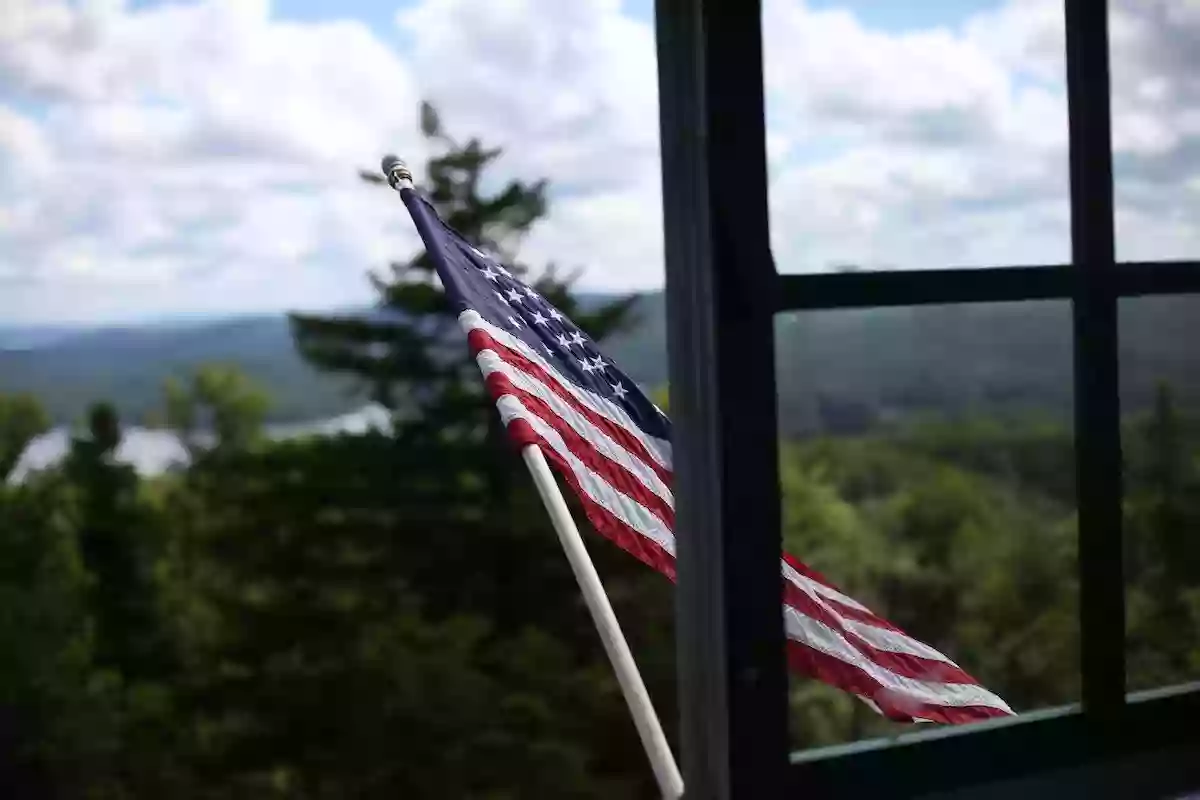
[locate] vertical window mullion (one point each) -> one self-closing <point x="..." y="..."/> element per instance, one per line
<point x="1097" y="401"/>
<point x="720" y="335"/>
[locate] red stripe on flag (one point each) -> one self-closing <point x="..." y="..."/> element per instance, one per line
<point x="481" y="340"/>
<point x="604" y="521"/>
<point x="616" y="475"/>
<point x="893" y="704"/>
<point x="905" y="665"/>
<point x="845" y="610"/>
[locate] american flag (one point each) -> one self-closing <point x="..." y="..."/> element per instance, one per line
<point x="554" y="388"/>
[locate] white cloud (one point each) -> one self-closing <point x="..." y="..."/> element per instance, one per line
<point x="201" y="156"/>
<point x="937" y="149"/>
<point x="1156" y="127"/>
<point x="22" y="143"/>
<point x="570" y="88"/>
<point x="609" y="234"/>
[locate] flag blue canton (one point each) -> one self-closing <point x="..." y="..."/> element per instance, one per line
<point x="475" y="281"/>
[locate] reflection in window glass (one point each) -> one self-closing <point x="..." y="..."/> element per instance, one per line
<point x="1161" y="446"/>
<point x="1155" y="54"/>
<point x="913" y="136"/>
<point x="927" y="470"/>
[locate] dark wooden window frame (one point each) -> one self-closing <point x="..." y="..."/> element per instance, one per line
<point x="723" y="292"/>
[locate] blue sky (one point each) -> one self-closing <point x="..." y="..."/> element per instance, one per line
<point x="379" y="14"/>
<point x="892" y="15"/>
<point x="900" y="135"/>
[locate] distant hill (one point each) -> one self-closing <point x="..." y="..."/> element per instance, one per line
<point x="847" y="370"/>
<point x="25" y="337"/>
<point x="127" y="365"/>
<point x="838" y="370"/>
<point x="844" y="370"/>
<point x="70" y="367"/>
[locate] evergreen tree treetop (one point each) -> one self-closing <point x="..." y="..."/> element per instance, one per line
<point x="408" y="350"/>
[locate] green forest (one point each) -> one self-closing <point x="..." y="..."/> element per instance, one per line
<point x="390" y="614"/>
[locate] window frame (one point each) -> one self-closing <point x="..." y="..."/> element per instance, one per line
<point x="722" y="293"/>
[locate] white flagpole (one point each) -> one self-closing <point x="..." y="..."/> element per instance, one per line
<point x="662" y="760"/>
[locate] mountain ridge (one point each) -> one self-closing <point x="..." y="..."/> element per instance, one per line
<point x="837" y="370"/>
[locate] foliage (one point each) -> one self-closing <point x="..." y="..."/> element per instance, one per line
<point x="1162" y="518"/>
<point x="52" y="702"/>
<point x="351" y="616"/>
<point x="222" y="402"/>
<point x="336" y="655"/>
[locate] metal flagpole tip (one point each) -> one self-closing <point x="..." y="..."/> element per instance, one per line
<point x="397" y="172"/>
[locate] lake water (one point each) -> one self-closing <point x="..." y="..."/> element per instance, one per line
<point x="153" y="451"/>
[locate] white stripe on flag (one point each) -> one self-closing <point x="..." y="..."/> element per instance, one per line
<point x="818" y="636"/>
<point x="490" y="362"/>
<point x="630" y="512"/>
<point x="659" y="449"/>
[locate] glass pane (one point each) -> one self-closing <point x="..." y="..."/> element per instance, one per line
<point x="1160" y="385"/>
<point x="1156" y="127"/>
<point x="927" y="471"/>
<point x="914" y="136"/>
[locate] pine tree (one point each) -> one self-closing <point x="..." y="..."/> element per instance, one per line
<point x="116" y="550"/>
<point x="410" y="353"/>
<point x="378" y="594"/>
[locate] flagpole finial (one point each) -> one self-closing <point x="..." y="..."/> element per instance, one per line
<point x="397" y="172"/>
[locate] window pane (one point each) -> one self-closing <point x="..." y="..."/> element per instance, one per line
<point x="913" y="136"/>
<point x="927" y="471"/>
<point x="1155" y="53"/>
<point x="1160" y="378"/>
